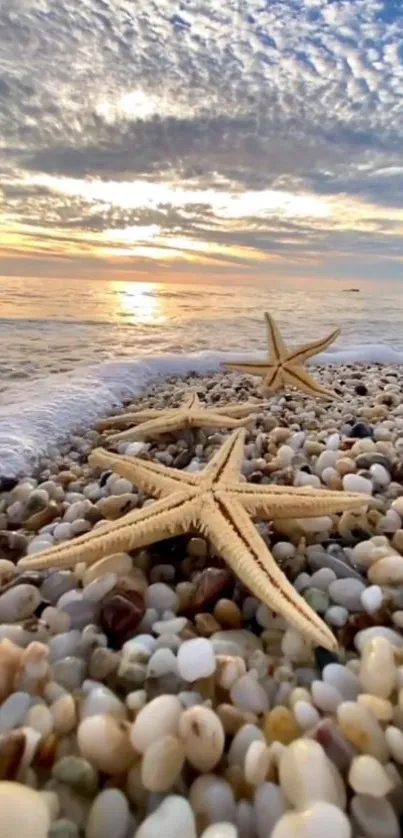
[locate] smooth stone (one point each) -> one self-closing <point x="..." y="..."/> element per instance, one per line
<point x="248" y="694"/>
<point x="322" y="559"/>
<point x="307" y="775"/>
<point x="244" y="641"/>
<point x="326" y="696"/>
<point x="161" y="597"/>
<point x="368" y="776"/>
<point x="77" y="773"/>
<point x="371" y="599"/>
<point x="387" y="571"/>
<point x="317" y="599"/>
<point x="18" y="603"/>
<point x="63" y="828"/>
<point x="109" y="815"/>
<point x="105" y="743"/>
<point x="96" y="590"/>
<point x="345" y="681"/>
<point x="102" y="700"/>
<point x="362" y="729"/>
<point x="375" y="817"/>
<point x="162" y="662"/>
<point x="203" y="736"/>
<point x="336" y="616"/>
<point x="23" y="811"/>
<point x="322" y="578"/>
<point x="378" y="672"/>
<point x="362" y="637"/>
<point x="356" y="483"/>
<point x="69" y="672"/>
<point x="64" y="645"/>
<point x="380" y="707"/>
<point x="162" y="763"/>
<point x="305" y="714"/>
<point x="212" y="799"/>
<point x="320" y="819"/>
<point x="220" y="830"/>
<point x="347" y="592"/>
<point x="13" y="709"/>
<point x="394" y="740"/>
<point x="257" y="761"/>
<point x="174" y="626"/>
<point x="57" y="584"/>
<point x="196" y="659"/>
<point x="172" y="818"/>
<point x="269" y="805"/>
<point x="158" y="718"/>
<point x="119" y="564"/>
<point x="238" y="748"/>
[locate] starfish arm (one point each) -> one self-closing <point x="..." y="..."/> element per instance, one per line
<point x="237" y="540"/>
<point x="259" y="368"/>
<point x="192" y="402"/>
<point x="292" y="502"/>
<point x="226" y="463"/>
<point x="163" y="519"/>
<point x="163" y="424"/>
<point x="239" y="410"/>
<point x="277" y="348"/>
<point x="152" y="478"/>
<point x="124" y="419"/>
<point x="297" y="376"/>
<point x="210" y="419"/>
<point x="298" y="356"/>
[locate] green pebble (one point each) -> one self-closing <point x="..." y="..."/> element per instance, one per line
<point x="78" y="773"/>
<point x="317" y="599"/>
<point x="63" y="828"/>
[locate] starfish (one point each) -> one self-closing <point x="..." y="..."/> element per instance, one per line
<point x="218" y="503"/>
<point x="283" y="366"/>
<point x="191" y="414"/>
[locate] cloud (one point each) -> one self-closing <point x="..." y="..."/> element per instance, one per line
<point x="300" y="100"/>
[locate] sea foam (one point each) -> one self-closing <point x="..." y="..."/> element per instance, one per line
<point x="44" y="412"/>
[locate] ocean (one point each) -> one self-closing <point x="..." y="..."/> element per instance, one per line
<point x="70" y="350"/>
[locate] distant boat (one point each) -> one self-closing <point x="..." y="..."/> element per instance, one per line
<point x="351" y="290"/>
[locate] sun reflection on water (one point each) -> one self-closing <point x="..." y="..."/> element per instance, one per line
<point x="139" y="302"/>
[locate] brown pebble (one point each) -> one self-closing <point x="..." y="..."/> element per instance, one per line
<point x="45" y="754"/>
<point x="197" y="547"/>
<point x="206" y="624"/>
<point x="279" y="725"/>
<point x="120" y="614"/>
<point x="233" y="719"/>
<point x="209" y="586"/>
<point x="12" y="747"/>
<point x="43" y="517"/>
<point x="228" y="614"/>
<point x="65" y="477"/>
<point x="234" y="775"/>
<point x="115" y="506"/>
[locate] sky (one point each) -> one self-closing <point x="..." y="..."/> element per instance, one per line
<point x="201" y="139"/>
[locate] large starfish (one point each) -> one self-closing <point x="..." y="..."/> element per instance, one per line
<point x="284" y="367"/>
<point x="191" y="414"/>
<point x="218" y="503"/>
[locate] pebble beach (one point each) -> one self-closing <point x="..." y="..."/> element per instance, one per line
<point x="151" y="694"/>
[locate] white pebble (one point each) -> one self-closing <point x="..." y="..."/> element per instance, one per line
<point x="162" y="662"/>
<point x="367" y="776"/>
<point x="239" y="746"/>
<point x="62" y="532"/>
<point x="121" y="486"/>
<point x="158" y="718"/>
<point x="220" y="830"/>
<point x="307" y="775"/>
<point x="371" y="599"/>
<point x="387" y="571"/>
<point x="269" y="805"/>
<point x="362" y="637"/>
<point x="109" y="815"/>
<point x="374" y="816"/>
<point x="377" y="668"/>
<point x="320" y="819"/>
<point x="326" y="696"/>
<point x="356" y="483"/>
<point x="380" y="475"/>
<point x="248" y="694"/>
<point x="161" y="597"/>
<point x="257" y="761"/>
<point x="336" y="615"/>
<point x="173" y="817"/>
<point x="394" y="739"/>
<point x="203" y="737"/>
<point x="306" y="715"/>
<point x="23" y="812"/>
<point x="196" y="659"/>
<point x="322" y="578"/>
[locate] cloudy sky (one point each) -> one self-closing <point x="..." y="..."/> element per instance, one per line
<point x="203" y="139"/>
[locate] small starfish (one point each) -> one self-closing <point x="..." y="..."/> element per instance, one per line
<point x="283" y="366"/>
<point x="191" y="414"/>
<point x="218" y="503"/>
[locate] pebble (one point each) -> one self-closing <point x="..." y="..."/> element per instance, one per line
<point x="325" y="696"/>
<point x="377" y="668"/>
<point x="77" y="773"/>
<point x="212" y="799"/>
<point x="347" y="592"/>
<point x="305" y="714"/>
<point x="162" y="763"/>
<point x="362" y="729"/>
<point x="248" y="694"/>
<point x="269" y="806"/>
<point x="109" y="815"/>
<point x="368" y="776"/>
<point x="394" y="740"/>
<point x="23" y="811"/>
<point x="374" y="816"/>
<point x="355" y="483"/>
<point x="196" y="659"/>
<point x="203" y="737"/>
<point x="307" y="775"/>
<point x="105" y="743"/>
<point x="362" y="637"/>
<point x="63" y="828"/>
<point x="257" y="761"/>
<point x="160" y="717"/>
<point x="162" y="662"/>
<point x="220" y="830"/>
<point x="172" y="818"/>
<point x="387" y="571"/>
<point x="336" y="616"/>
<point x="239" y="746"/>
<point x="161" y="597"/>
<point x="280" y="725"/>
<point x="320" y="819"/>
<point x="18" y="603"/>
<point x="371" y="599"/>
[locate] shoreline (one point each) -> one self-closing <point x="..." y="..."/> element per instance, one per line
<point x="131" y="684"/>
